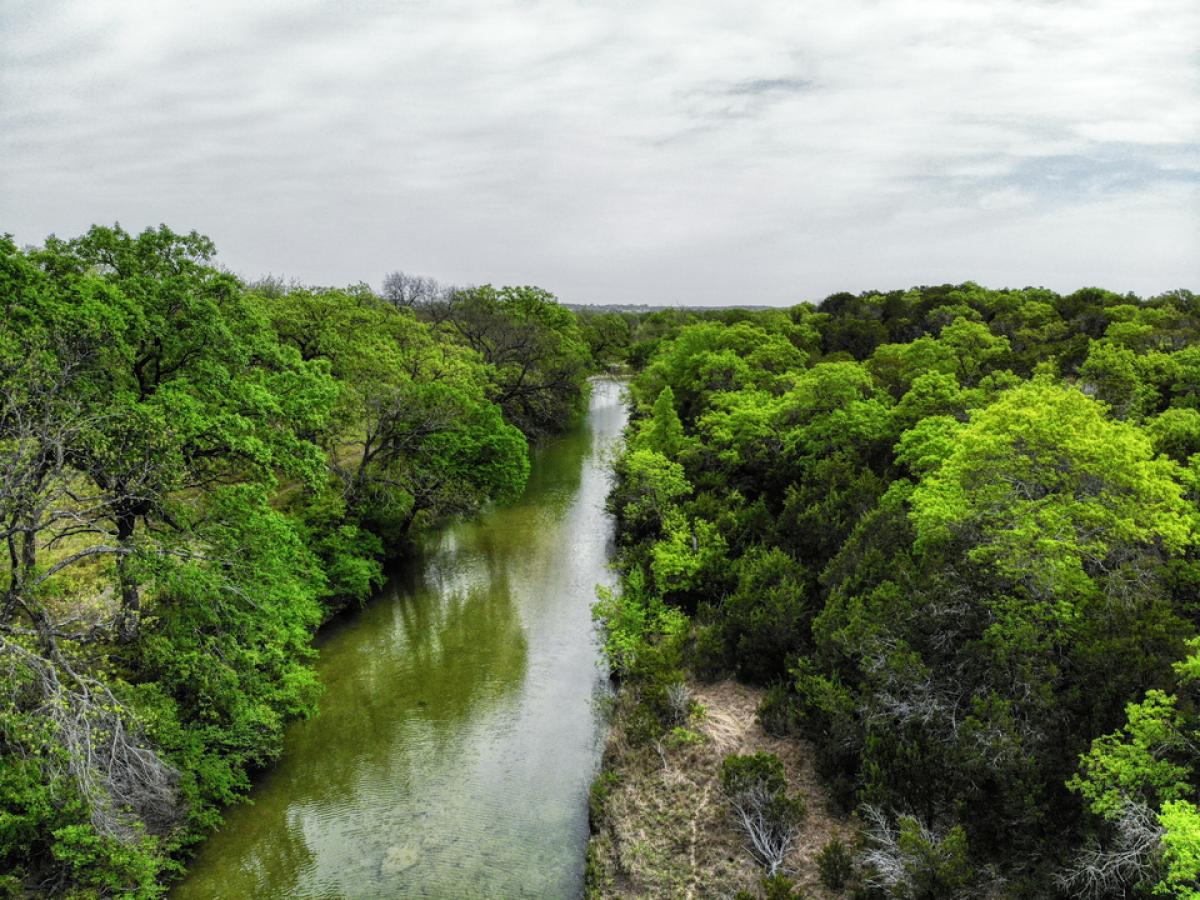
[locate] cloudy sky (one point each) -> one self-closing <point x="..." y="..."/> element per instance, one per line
<point x="764" y="151"/>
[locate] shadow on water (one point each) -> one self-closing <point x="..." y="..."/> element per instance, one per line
<point x="457" y="734"/>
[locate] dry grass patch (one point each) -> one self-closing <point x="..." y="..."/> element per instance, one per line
<point x="661" y="822"/>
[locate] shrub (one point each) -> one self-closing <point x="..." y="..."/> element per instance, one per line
<point x="643" y="724"/>
<point x="835" y="865"/>
<point x="684" y="737"/>
<point x="710" y="657"/>
<point x="759" y="770"/>
<point x="776" y="712"/>
<point x="643" y="637"/>
<point x="598" y="798"/>
<point x="756" y="789"/>
<point x="779" y="887"/>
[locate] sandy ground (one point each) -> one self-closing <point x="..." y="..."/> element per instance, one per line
<point x="664" y="829"/>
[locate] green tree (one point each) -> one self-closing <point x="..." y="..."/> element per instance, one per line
<point x="1044" y="488"/>
<point x="414" y="436"/>
<point x="1180" y="821"/>
<point x="192" y="391"/>
<point x="537" y="356"/>
<point x="1113" y="373"/>
<point x="663" y="431"/>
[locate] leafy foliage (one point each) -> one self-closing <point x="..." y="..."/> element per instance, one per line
<point x="955" y="531"/>
<point x="194" y="474"/>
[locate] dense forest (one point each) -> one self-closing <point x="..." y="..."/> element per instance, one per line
<point x="950" y="531"/>
<point x="953" y="532"/>
<point x="195" y="473"/>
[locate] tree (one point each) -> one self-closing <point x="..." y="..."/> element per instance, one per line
<point x="191" y="390"/>
<point x="706" y="359"/>
<point x="1044" y="488"/>
<point x="649" y="488"/>
<point x="767" y="617"/>
<point x="608" y="336"/>
<point x="1180" y="821"/>
<point x="404" y="290"/>
<point x="1149" y="762"/>
<point x="1112" y="373"/>
<point x="537" y="357"/>
<point x="1140" y="781"/>
<point x="663" y="431"/>
<point x="911" y="861"/>
<point x="755" y="789"/>
<point x="967" y="532"/>
<point x="413" y="432"/>
<point x="74" y="754"/>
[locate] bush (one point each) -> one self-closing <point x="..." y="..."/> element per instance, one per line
<point x="779" y="887"/>
<point x="710" y="657"/>
<point x="663" y="702"/>
<point x="684" y="737"/>
<point x="756" y="789"/>
<point x="759" y="770"/>
<point x="776" y="712"/>
<point x="598" y="798"/>
<point x="643" y="724"/>
<point x="835" y="865"/>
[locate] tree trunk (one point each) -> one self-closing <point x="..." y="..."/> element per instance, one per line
<point x="130" y="617"/>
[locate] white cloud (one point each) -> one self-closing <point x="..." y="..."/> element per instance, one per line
<point x="653" y="151"/>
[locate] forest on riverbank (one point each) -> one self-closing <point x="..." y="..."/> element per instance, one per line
<point x="195" y="473"/>
<point x="948" y="534"/>
<point x="952" y="532"/>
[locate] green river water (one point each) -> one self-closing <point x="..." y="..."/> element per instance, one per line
<point x="459" y="729"/>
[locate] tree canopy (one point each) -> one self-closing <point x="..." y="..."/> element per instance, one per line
<point x="954" y="531"/>
<point x="194" y="474"/>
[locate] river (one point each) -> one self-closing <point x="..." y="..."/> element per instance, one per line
<point x="460" y="725"/>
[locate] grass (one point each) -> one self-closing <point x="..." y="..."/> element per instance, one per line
<point x="662" y="829"/>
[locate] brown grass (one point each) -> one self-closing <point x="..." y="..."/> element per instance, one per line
<point x="665" y="830"/>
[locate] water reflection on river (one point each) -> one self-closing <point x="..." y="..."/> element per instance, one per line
<point x="458" y="731"/>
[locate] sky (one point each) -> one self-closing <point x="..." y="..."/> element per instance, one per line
<point x="757" y="152"/>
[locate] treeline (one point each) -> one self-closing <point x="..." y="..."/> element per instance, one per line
<point x="955" y="531"/>
<point x="194" y="474"/>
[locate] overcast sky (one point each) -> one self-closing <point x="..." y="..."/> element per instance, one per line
<point x="760" y="151"/>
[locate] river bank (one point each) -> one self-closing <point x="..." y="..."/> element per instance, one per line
<point x="660" y="825"/>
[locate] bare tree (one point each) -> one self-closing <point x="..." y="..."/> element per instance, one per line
<point x="755" y="789"/>
<point x="771" y="827"/>
<point x="403" y="289"/>
<point x="911" y="859"/>
<point x="885" y="860"/>
<point x="42" y="506"/>
<point x="679" y="701"/>
<point x="1132" y="857"/>
<point x="126" y="784"/>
